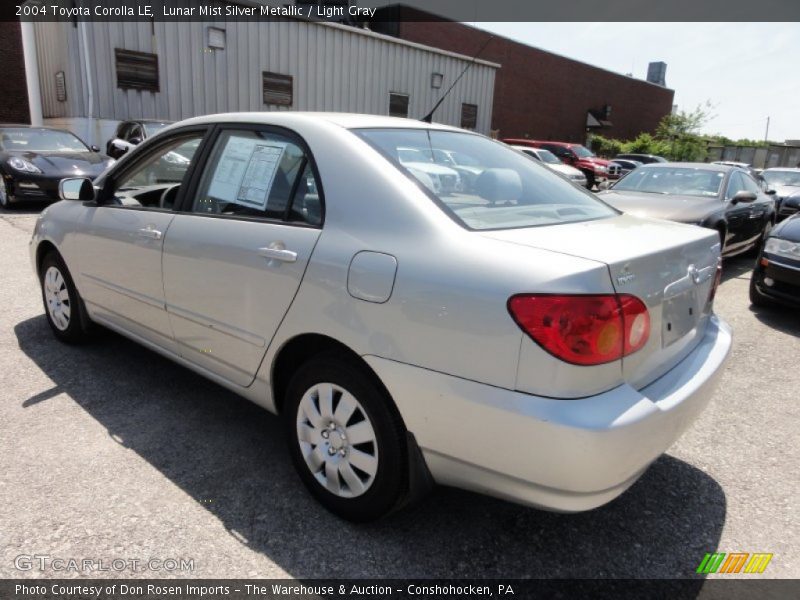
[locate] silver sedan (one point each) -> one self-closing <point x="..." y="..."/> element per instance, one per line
<point x="514" y="335"/>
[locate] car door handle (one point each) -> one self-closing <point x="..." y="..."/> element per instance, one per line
<point x="149" y="232"/>
<point x="278" y="253"/>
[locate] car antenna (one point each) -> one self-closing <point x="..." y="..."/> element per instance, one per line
<point x="429" y="117"/>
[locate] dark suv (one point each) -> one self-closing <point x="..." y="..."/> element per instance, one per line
<point x="132" y="133"/>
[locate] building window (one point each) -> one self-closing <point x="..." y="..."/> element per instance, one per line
<point x="216" y="38"/>
<point x="136" y="70"/>
<point x="277" y="88"/>
<point x="398" y="105"/>
<point x="469" y="116"/>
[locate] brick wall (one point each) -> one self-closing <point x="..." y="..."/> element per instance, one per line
<point x="14" y="91"/>
<point x="542" y="95"/>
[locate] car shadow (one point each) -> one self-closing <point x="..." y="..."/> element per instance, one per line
<point x="229" y="455"/>
<point x="778" y="316"/>
<point x="27" y="207"/>
<point x="737" y="267"/>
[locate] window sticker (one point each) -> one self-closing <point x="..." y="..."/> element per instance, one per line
<point x="246" y="170"/>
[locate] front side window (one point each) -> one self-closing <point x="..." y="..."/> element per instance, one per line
<point x="261" y="175"/>
<point x="559" y="151"/>
<point x="153" y="128"/>
<point x="489" y="185"/>
<point x="154" y="183"/>
<point x="749" y="184"/>
<point x="680" y="181"/>
<point x="582" y="152"/>
<point x="735" y="185"/>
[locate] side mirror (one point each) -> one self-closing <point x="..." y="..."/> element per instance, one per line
<point x="94" y="148"/>
<point x="76" y="188"/>
<point x="743" y="196"/>
<point x="121" y="146"/>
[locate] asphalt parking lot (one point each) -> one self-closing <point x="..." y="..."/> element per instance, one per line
<point x="109" y="451"/>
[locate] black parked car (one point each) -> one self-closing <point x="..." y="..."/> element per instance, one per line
<point x="786" y="183"/>
<point x="619" y="167"/>
<point x="642" y="158"/>
<point x="132" y="133"/>
<point x="776" y="276"/>
<point x="715" y="196"/>
<point x="34" y="159"/>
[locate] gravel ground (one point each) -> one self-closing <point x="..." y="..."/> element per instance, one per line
<point x="109" y="451"/>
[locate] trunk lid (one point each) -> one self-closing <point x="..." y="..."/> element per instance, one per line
<point x="669" y="266"/>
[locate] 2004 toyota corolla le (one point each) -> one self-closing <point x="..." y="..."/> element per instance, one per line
<point x="515" y="336"/>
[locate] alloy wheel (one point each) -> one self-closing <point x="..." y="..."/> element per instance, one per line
<point x="59" y="305"/>
<point x="337" y="440"/>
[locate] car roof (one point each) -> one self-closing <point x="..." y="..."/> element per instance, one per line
<point x="148" y="121"/>
<point x="792" y="169"/>
<point x="693" y="165"/>
<point x="345" y="120"/>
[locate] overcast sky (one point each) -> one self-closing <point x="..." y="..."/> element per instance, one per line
<point x="748" y="71"/>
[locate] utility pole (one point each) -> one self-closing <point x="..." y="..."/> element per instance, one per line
<point x="766" y="133"/>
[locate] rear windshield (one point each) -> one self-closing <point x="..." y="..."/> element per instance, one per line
<point x="490" y="186"/>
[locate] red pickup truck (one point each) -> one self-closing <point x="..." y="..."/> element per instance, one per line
<point x="580" y="157"/>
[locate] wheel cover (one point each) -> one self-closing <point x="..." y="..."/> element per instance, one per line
<point x="56" y="294"/>
<point x="337" y="440"/>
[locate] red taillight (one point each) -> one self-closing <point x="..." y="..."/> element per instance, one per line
<point x="717" y="281"/>
<point x="583" y="330"/>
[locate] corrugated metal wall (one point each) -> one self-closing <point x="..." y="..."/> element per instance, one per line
<point x="335" y="68"/>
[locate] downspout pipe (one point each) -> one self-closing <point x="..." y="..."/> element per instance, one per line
<point x="89" y="84"/>
<point x="31" y="72"/>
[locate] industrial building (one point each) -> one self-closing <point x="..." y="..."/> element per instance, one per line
<point x="541" y="95"/>
<point x="88" y="76"/>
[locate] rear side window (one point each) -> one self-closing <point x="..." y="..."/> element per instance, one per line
<point x="484" y="184"/>
<point x="259" y="174"/>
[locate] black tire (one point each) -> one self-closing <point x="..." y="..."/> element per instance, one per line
<point x="77" y="328"/>
<point x="768" y="225"/>
<point x="389" y="487"/>
<point x="589" y="180"/>
<point x="5" y="199"/>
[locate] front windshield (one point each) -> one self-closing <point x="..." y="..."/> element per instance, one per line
<point x="25" y="139"/>
<point x="788" y="178"/>
<point x="674" y="180"/>
<point x="582" y="152"/>
<point x="501" y="189"/>
<point x="154" y="128"/>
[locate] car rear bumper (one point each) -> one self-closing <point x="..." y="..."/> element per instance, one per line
<point x="564" y="455"/>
